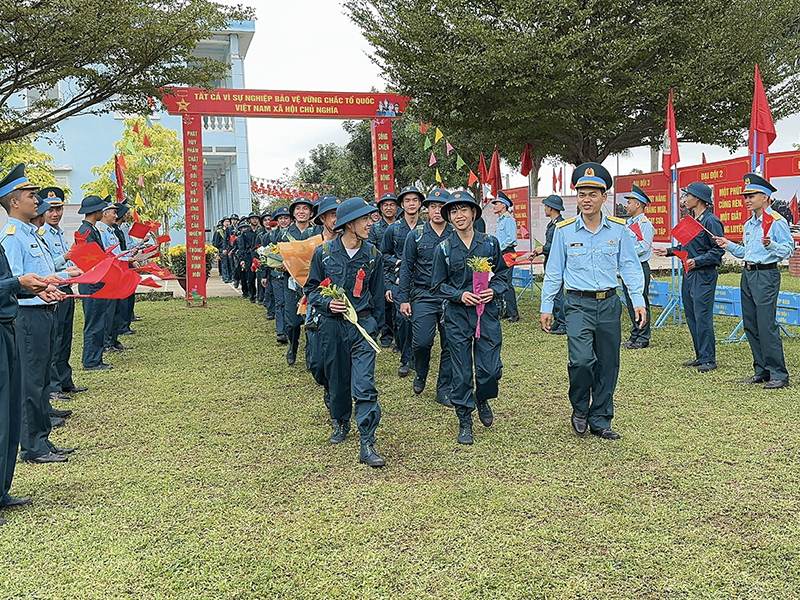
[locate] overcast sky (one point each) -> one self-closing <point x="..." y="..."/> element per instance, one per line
<point x="312" y="45"/>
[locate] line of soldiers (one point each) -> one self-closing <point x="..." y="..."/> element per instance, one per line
<point x="36" y="318"/>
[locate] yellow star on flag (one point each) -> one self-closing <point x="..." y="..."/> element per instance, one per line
<point x="183" y="105"/>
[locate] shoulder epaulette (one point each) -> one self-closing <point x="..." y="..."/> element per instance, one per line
<point x="776" y="215"/>
<point x="617" y="220"/>
<point x="40" y="231"/>
<point x="565" y="222"/>
<point x="12" y="229"/>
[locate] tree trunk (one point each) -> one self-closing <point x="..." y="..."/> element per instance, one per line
<point x="653" y="159"/>
<point x="533" y="176"/>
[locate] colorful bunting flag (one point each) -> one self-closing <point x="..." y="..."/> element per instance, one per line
<point x="432" y="161"/>
<point x="122" y="161"/>
<point x="104" y="193"/>
<point x="422" y="128"/>
<point x="130" y="148"/>
<point x="136" y="128"/>
<point x="438" y="177"/>
<point x="138" y="202"/>
<point x="148" y="121"/>
<point x="141" y="180"/>
<point x="427" y="143"/>
<point x="449" y="147"/>
<point x="473" y="179"/>
<point x="460" y="162"/>
<point x="439" y="135"/>
<point x="146" y="141"/>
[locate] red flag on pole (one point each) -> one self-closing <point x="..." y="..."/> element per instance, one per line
<point x="703" y="158"/>
<point x="637" y="230"/>
<point x="86" y="255"/>
<point x="555" y="181"/>
<point x="494" y="174"/>
<point x="683" y="255"/>
<point x="669" y="147"/>
<point x="762" y="127"/>
<point x="793" y="208"/>
<point x="527" y="161"/>
<point x="482" y="171"/>
<point x="561" y="179"/>
<point x="686" y="230"/>
<point x="766" y="222"/>
<point x="120" y="176"/>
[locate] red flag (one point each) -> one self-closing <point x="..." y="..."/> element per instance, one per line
<point x="149" y="282"/>
<point x="703" y="158"/>
<point x="422" y="128"/>
<point x="122" y="162"/>
<point x="154" y="269"/>
<point x="555" y="181"/>
<point x="119" y="283"/>
<point x="81" y="238"/>
<point x="686" y="230"/>
<point x="120" y="179"/>
<point x="139" y="230"/>
<point x="136" y="127"/>
<point x="146" y="141"/>
<point x="494" y="174"/>
<point x="669" y="147"/>
<point x="793" y="208"/>
<point x="86" y="256"/>
<point x="766" y="222"/>
<point x="472" y="178"/>
<point x="561" y="178"/>
<point x="762" y="127"/>
<point x="482" y="171"/>
<point x="636" y="229"/>
<point x="95" y="273"/>
<point x="683" y="255"/>
<point x="527" y="161"/>
<point x="163" y="239"/>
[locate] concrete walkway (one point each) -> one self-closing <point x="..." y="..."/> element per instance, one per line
<point x="215" y="288"/>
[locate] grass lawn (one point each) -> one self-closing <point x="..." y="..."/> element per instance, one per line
<point x="203" y="471"/>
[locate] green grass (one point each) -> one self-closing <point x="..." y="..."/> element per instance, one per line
<point x="203" y="471"/>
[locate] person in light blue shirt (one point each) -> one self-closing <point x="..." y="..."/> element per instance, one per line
<point x="761" y="281"/>
<point x="586" y="253"/>
<point x="637" y="201"/>
<point x="111" y="242"/>
<point x="506" y="234"/>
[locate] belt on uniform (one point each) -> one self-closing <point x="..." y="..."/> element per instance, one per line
<point x="49" y="307"/>
<point x="760" y="267"/>
<point x="367" y="312"/>
<point x="601" y="295"/>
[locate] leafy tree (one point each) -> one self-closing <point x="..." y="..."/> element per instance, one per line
<point x="107" y="55"/>
<point x="159" y="166"/>
<point x="38" y="166"/>
<point x="582" y="80"/>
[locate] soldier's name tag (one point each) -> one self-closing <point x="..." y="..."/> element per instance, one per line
<point x="576" y="245"/>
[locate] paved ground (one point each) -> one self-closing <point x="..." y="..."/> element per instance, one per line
<point x="215" y="288"/>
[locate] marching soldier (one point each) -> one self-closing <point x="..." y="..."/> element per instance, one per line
<point x="387" y="210"/>
<point x="475" y="359"/>
<point x="417" y="301"/>
<point x="283" y="220"/>
<point x="354" y="265"/>
<point x="244" y="251"/>
<point x="586" y="253"/>
<point x="218" y="241"/>
<point x="761" y="281"/>
<point x="233" y="264"/>
<point x="637" y="201"/>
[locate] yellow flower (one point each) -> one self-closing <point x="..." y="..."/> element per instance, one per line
<point x="479" y="264"/>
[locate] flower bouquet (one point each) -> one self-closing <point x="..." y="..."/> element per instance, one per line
<point x="270" y="256"/>
<point x="297" y="261"/>
<point x="327" y="289"/>
<point x="481" y="268"/>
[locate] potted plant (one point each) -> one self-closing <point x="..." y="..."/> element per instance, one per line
<point x="176" y="262"/>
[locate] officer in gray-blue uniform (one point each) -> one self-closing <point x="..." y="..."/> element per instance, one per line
<point x="349" y="359"/>
<point x="387" y="207"/>
<point x="700" y="283"/>
<point x="506" y="234"/>
<point x="105" y="226"/>
<point x="586" y="253"/>
<point x="35" y="328"/>
<point x="283" y="220"/>
<point x="61" y="382"/>
<point x="637" y="201"/>
<point x="302" y="211"/>
<point x="761" y="281"/>
<point x="452" y="281"/>
<point x="553" y="207"/>
<point x="94" y="309"/>
<point x="418" y="303"/>
<point x="392" y="247"/>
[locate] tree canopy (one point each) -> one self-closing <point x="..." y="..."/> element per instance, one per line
<point x="38" y="164"/>
<point x="585" y="79"/>
<point x="68" y="58"/>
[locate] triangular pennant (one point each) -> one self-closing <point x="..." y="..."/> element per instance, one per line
<point x="438" y="177"/>
<point x="129" y="147"/>
<point x="148" y="121"/>
<point x="136" y="127"/>
<point x="432" y="161"/>
<point x="427" y="143"/>
<point x="122" y="162"/>
<point x="473" y="179"/>
<point x="141" y="180"/>
<point x="439" y="135"/>
<point x="146" y="141"/>
<point x="460" y="163"/>
<point x="104" y="193"/>
<point x="138" y="202"/>
<point x="449" y="148"/>
<point x="422" y="128"/>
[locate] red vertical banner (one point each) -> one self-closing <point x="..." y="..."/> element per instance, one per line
<point x="521" y="211"/>
<point x="656" y="186"/>
<point x="382" y="157"/>
<point x="195" y="210"/>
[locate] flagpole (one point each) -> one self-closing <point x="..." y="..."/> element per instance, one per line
<point x="755" y="151"/>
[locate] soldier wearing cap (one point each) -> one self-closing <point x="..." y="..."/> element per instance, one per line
<point x="387" y="207"/>
<point x="283" y="221"/>
<point x="124" y="314"/>
<point x="244" y="248"/>
<point x="35" y="326"/>
<point x="586" y="253"/>
<point x="392" y="247"/>
<point x="326" y="223"/>
<point x="13" y="187"/>
<point x="417" y="301"/>
<point x="700" y="282"/>
<point x="452" y="281"/>
<point x="218" y="241"/>
<point x="111" y="242"/>
<point x="761" y="281"/>
<point x="302" y="211"/>
<point x="553" y="207"/>
<point x="637" y="201"/>
<point x="94" y="309"/>
<point x="233" y="265"/>
<point x="354" y="265"/>
<point x="266" y="298"/>
<point x="506" y="234"/>
<point x="61" y="382"/>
